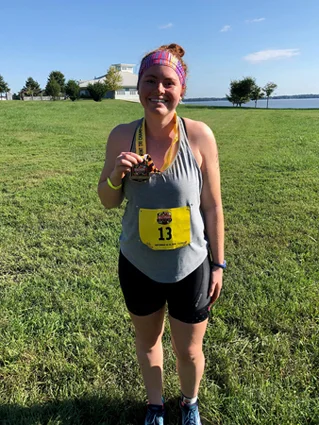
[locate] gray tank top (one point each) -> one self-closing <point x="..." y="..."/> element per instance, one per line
<point x="179" y="185"/>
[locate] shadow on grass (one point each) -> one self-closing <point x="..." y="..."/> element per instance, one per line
<point x="83" y="411"/>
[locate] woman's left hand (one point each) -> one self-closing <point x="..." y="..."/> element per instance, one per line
<point x="216" y="283"/>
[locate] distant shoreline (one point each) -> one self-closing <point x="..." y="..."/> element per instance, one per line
<point x="294" y="96"/>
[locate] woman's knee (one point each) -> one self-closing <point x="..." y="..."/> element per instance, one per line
<point x="148" y="343"/>
<point x="148" y="329"/>
<point x="188" y="354"/>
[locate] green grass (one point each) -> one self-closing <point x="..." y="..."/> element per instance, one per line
<point x="66" y="342"/>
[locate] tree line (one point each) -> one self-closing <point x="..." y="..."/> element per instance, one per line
<point x="4" y="88"/>
<point x="242" y="91"/>
<point x="56" y="86"/>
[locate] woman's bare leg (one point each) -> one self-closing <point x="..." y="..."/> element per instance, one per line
<point x="187" y="341"/>
<point x="149" y="330"/>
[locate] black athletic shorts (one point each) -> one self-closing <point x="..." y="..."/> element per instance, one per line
<point x="188" y="300"/>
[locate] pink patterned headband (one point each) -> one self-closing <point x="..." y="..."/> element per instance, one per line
<point x="163" y="57"/>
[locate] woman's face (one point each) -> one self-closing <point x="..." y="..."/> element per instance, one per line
<point x="160" y="90"/>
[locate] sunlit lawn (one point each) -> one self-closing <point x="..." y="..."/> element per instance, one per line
<point x="67" y="352"/>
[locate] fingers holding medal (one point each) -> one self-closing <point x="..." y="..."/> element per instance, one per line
<point x="141" y="171"/>
<point x="125" y="162"/>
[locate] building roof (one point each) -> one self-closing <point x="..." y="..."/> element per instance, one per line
<point x="124" y="64"/>
<point x="128" y="80"/>
<point x="85" y="83"/>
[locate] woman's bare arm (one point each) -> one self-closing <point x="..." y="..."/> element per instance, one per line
<point x="118" y="162"/>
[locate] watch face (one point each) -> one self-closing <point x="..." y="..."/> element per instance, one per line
<point x="140" y="171"/>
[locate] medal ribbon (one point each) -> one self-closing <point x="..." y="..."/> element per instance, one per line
<point x="140" y="144"/>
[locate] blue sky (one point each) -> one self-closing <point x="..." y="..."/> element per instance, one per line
<point x="273" y="40"/>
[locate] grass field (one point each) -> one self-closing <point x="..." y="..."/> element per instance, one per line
<point x="66" y="342"/>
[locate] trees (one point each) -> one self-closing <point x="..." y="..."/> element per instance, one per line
<point x="232" y="97"/>
<point x="72" y="89"/>
<point x="4" y="88"/>
<point x="256" y="94"/>
<point x="112" y="82"/>
<point x="269" y="89"/>
<point x="113" y="79"/>
<point x="31" y="88"/>
<point x="59" y="79"/>
<point x="53" y="89"/>
<point x="97" y="91"/>
<point x="240" y="90"/>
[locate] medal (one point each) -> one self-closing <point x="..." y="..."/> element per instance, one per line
<point x="142" y="171"/>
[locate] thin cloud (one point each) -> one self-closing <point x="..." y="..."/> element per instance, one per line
<point x="266" y="55"/>
<point x="250" y="21"/>
<point x="225" y="28"/>
<point x="164" y="27"/>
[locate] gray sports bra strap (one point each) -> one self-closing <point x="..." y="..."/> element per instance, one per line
<point x="184" y="126"/>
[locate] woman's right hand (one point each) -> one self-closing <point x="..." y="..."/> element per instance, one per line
<point x="123" y="165"/>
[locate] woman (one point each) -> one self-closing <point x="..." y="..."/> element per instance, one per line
<point x="167" y="168"/>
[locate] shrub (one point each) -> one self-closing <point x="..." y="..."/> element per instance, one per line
<point x="72" y="90"/>
<point x="97" y="91"/>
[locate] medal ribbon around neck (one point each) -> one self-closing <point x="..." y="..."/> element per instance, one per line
<point x="140" y="146"/>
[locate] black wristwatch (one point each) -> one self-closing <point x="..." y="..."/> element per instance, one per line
<point x="221" y="266"/>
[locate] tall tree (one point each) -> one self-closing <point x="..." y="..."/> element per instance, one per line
<point x="232" y="96"/>
<point x="31" y="87"/>
<point x="72" y="89"/>
<point x="239" y="91"/>
<point x="4" y="88"/>
<point x="59" y="78"/>
<point x="256" y="94"/>
<point x="53" y="89"/>
<point x="113" y="79"/>
<point x="269" y="89"/>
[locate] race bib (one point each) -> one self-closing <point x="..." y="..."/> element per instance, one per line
<point x="164" y="229"/>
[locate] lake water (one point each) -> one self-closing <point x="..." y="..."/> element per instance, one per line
<point x="273" y="103"/>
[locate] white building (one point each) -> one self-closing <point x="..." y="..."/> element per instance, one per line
<point x="6" y="96"/>
<point x="129" y="84"/>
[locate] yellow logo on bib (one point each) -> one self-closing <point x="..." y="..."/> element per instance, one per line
<point x="165" y="229"/>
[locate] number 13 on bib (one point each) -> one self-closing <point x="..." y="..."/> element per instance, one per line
<point x="165" y="229"/>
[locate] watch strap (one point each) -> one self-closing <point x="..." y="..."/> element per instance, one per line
<point x="220" y="265"/>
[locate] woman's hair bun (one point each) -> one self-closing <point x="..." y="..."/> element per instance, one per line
<point x="174" y="48"/>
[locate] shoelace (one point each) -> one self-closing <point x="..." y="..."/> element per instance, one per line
<point x="190" y="418"/>
<point x="153" y="417"/>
